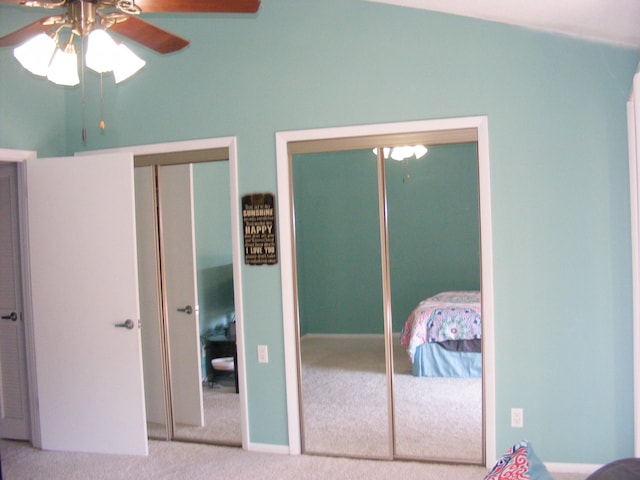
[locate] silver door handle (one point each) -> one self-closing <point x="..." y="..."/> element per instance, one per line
<point x="128" y="323"/>
<point x="13" y="316"/>
<point x="188" y="310"/>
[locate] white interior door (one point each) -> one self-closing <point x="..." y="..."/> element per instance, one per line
<point x="14" y="405"/>
<point x="84" y="283"/>
<point x="175" y="187"/>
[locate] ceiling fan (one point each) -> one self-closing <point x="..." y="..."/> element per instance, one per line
<point x="46" y="47"/>
<point x="120" y="16"/>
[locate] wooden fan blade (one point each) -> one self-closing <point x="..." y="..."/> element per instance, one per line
<point x="202" y="6"/>
<point x="25" y="33"/>
<point x="149" y="35"/>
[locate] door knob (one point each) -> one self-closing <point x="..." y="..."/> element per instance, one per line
<point x="128" y="323"/>
<point x="13" y="316"/>
<point x="188" y="310"/>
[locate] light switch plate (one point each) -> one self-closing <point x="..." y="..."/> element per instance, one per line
<point x="517" y="418"/>
<point x="263" y="354"/>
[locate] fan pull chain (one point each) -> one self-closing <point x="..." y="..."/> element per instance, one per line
<point x="84" y="106"/>
<point x="101" y="105"/>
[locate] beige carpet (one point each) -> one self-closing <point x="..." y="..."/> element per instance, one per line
<point x="182" y="461"/>
<point x="345" y="405"/>
<point x="222" y="424"/>
<point x="221" y="416"/>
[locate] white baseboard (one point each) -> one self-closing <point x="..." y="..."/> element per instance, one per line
<point x="587" y="468"/>
<point x="343" y="335"/>
<point x="268" y="448"/>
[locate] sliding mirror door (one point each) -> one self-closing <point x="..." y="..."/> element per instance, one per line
<point x="343" y="381"/>
<point x="187" y="298"/>
<point x="220" y="389"/>
<point x="434" y="251"/>
<point x="388" y="279"/>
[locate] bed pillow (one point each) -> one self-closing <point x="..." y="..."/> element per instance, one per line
<point x="519" y="463"/>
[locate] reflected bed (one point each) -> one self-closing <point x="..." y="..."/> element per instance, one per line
<point x="443" y="336"/>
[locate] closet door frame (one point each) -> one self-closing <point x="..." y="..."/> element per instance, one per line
<point x="194" y="147"/>
<point x="633" y="125"/>
<point x="446" y="131"/>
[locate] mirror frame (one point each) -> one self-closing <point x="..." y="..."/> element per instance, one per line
<point x="452" y="131"/>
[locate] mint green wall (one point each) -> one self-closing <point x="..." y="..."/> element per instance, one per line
<point x="434" y="241"/>
<point x="338" y="243"/>
<point x="558" y="152"/>
<point x="32" y="109"/>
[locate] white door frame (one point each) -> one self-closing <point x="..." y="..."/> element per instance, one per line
<point x="212" y="143"/>
<point x="479" y="123"/>
<point x="633" y="125"/>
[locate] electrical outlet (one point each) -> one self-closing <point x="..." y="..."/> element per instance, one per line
<point x="517" y="418"/>
<point x="263" y="354"/>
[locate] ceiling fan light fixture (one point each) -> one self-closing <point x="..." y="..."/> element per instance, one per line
<point x="126" y="63"/>
<point x="400" y="153"/>
<point x="35" y="54"/>
<point x="63" y="69"/>
<point x="404" y="152"/>
<point x="385" y="152"/>
<point x="101" y="51"/>
<point x="420" y="151"/>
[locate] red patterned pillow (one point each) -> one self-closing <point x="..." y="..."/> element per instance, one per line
<point x="519" y="463"/>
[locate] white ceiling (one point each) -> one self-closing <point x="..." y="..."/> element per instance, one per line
<point x="615" y="22"/>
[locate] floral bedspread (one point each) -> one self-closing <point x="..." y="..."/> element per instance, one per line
<point x="443" y="317"/>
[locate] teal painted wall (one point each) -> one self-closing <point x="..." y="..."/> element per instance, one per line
<point x="558" y="152"/>
<point x="32" y="109"/>
<point x="434" y="242"/>
<point x="338" y="243"/>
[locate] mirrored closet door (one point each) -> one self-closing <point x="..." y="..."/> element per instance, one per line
<point x="342" y="343"/>
<point x="187" y="297"/>
<point x="434" y="259"/>
<point x="387" y="268"/>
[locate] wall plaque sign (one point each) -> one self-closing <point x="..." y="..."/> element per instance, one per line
<point x="259" y="228"/>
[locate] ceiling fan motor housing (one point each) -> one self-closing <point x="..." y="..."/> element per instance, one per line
<point x="83" y="16"/>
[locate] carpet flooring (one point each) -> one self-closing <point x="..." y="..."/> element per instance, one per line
<point x="222" y="425"/>
<point x="180" y="461"/>
<point x="346" y="409"/>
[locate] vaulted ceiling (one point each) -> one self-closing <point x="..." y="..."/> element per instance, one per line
<point x="615" y="22"/>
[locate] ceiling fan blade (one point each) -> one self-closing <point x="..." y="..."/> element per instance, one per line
<point x="149" y="35"/>
<point x="25" y="33"/>
<point x="203" y="6"/>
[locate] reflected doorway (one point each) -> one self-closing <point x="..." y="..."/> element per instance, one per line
<point x="187" y="297"/>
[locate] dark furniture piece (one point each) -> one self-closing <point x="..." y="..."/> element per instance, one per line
<point x="219" y="346"/>
<point x="625" y="469"/>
